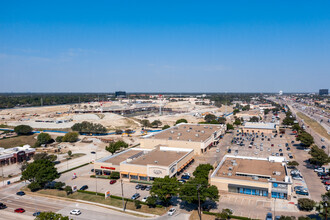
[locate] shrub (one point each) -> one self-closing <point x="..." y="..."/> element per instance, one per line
<point x="70" y="137"/>
<point x="59" y="139"/>
<point x="182" y="120"/>
<point x="306" y="204"/>
<point x="68" y="190"/>
<point x="165" y="127"/>
<point x="114" y="175"/>
<point x="59" y="185"/>
<point x="137" y="204"/>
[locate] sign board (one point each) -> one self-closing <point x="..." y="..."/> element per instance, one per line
<point x="108" y="168"/>
<point x="74" y="188"/>
<point x="107" y="194"/>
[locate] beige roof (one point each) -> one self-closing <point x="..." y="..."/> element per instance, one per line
<point x="163" y="158"/>
<point x="188" y="132"/>
<point x="117" y="159"/>
<point x="251" y="168"/>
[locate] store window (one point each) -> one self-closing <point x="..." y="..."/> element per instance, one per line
<point x="124" y="176"/>
<point x="143" y="178"/>
<point x="134" y="177"/>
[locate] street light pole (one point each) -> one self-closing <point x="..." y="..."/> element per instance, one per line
<point x="95" y="184"/>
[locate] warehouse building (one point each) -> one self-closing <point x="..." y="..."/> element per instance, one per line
<point x="16" y="154"/>
<point x="199" y="137"/>
<point x="266" y="177"/>
<point x="260" y="127"/>
<point x="146" y="164"/>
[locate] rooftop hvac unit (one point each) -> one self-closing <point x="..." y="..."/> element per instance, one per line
<point x="189" y="140"/>
<point x="156" y="161"/>
<point x="230" y="174"/>
<point x="203" y="132"/>
<point x="178" y="138"/>
<point x="188" y="130"/>
<point x="230" y="168"/>
<point x="196" y="135"/>
<point x="170" y="138"/>
<point x="255" y="178"/>
<point x="273" y="179"/>
<point x="179" y="134"/>
<point x="277" y="173"/>
<point x="172" y="132"/>
<point x="234" y="164"/>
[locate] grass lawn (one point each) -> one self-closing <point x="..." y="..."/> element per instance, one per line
<point x="18" y="141"/>
<point x="314" y="125"/>
<point x="101" y="199"/>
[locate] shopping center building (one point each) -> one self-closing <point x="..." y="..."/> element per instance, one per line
<point x="199" y="137"/>
<point x="267" y="177"/>
<point x="146" y="164"/>
<point x="16" y="154"/>
<point x="260" y="127"/>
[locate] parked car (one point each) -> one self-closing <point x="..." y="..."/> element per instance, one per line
<point x="269" y="216"/>
<point x="288" y="148"/>
<point x="36" y="214"/>
<point x="138" y="186"/>
<point x="84" y="187"/>
<point x="218" y="150"/>
<point x="20" y="193"/>
<point x="185" y="177"/>
<point x="277" y="154"/>
<point x="322" y="174"/>
<point x="148" y="188"/>
<point x="135" y="196"/>
<point x="327" y="187"/>
<point x="302" y="192"/>
<point x="229" y="151"/>
<point x="144" y="199"/>
<point x="281" y="154"/>
<point x="143" y="187"/>
<point x="320" y="169"/>
<point x="299" y="188"/>
<point x="323" y="147"/>
<point x="113" y="181"/>
<point x="171" y="211"/>
<point x="19" y="210"/>
<point x="2" y="206"/>
<point x="182" y="181"/>
<point x="325" y="177"/>
<point x="93" y="152"/>
<point x="75" y="212"/>
<point x="327" y="183"/>
<point x="296" y="177"/>
<point x="186" y="173"/>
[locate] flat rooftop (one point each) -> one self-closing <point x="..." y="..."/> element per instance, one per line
<point x="259" y="125"/>
<point x="187" y="132"/>
<point x="245" y="169"/>
<point x="158" y="157"/>
<point x="118" y="158"/>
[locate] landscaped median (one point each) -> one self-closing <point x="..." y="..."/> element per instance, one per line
<point x="114" y="201"/>
<point x="65" y="171"/>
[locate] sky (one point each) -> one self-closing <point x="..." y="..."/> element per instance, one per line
<point x="164" y="46"/>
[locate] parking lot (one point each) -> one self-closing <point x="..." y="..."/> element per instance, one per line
<point x="261" y="147"/>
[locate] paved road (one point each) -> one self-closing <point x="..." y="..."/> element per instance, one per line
<point x="36" y="203"/>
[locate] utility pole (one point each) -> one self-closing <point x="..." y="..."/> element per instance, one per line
<point x="199" y="203"/>
<point x="95" y="184"/>
<point x="122" y="194"/>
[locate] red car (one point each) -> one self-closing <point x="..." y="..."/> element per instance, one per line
<point x="112" y="182"/>
<point x="327" y="183"/>
<point x="20" y="210"/>
<point x="325" y="177"/>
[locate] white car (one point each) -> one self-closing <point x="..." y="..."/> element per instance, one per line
<point x="218" y="150"/>
<point x="144" y="199"/>
<point x="75" y="212"/>
<point x="171" y="211"/>
<point x="320" y="169"/>
<point x="327" y="188"/>
<point x="186" y="173"/>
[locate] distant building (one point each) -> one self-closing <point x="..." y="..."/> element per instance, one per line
<point x="120" y="94"/>
<point x="260" y="127"/>
<point x="324" y="92"/>
<point x="281" y="92"/>
<point x="16" y="154"/>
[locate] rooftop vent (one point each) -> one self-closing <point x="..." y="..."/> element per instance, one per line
<point x="230" y="174"/>
<point x="255" y="178"/>
<point x="179" y="134"/>
<point x="234" y="164"/>
<point x="188" y="130"/>
<point x="203" y="132"/>
<point x="172" y="132"/>
<point x="230" y="168"/>
<point x="178" y="138"/>
<point x="189" y="139"/>
<point x="156" y="161"/>
<point x="277" y="173"/>
<point x="196" y="135"/>
<point x="170" y="138"/>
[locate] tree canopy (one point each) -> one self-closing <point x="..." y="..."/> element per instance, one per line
<point x="182" y="120"/>
<point x="23" y="129"/>
<point x="305" y="138"/>
<point x="230" y="126"/>
<point x="165" y="188"/>
<point x="305" y="204"/>
<point x="44" y="138"/>
<point x="115" y="146"/>
<point x="156" y="123"/>
<point x="254" y="119"/>
<point x="319" y="157"/>
<point x="210" y="117"/>
<point x="146" y="123"/>
<point x="165" y="127"/>
<point x="51" y="216"/>
<point x="40" y="172"/>
<point x="70" y="137"/>
<point x="88" y="127"/>
<point x="237" y="121"/>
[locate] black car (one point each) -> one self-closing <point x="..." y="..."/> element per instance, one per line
<point x="143" y="187"/>
<point x="84" y="187"/>
<point x="323" y="147"/>
<point x="322" y="174"/>
<point x="2" y="206"/>
<point x="93" y="152"/>
<point x="229" y="151"/>
<point x="20" y="193"/>
<point x="281" y="154"/>
<point x="288" y="148"/>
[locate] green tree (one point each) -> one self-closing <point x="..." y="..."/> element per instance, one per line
<point x="145" y="123"/>
<point x="34" y="186"/>
<point x="210" y="117"/>
<point x="51" y="216"/>
<point x="152" y="201"/>
<point x="68" y="190"/>
<point x="137" y="204"/>
<point x="306" y="204"/>
<point x="222" y="120"/>
<point x="287" y="217"/>
<point x="70" y="137"/>
<point x="165" y="127"/>
<point x="69" y="153"/>
<point x="23" y="129"/>
<point x="182" y="120"/>
<point x="202" y="171"/>
<point x="114" y="175"/>
<point x="44" y="138"/>
<point x="88" y="127"/>
<point x="59" y="139"/>
<point x="293" y="163"/>
<point x="305" y="138"/>
<point x="235" y="111"/>
<point x="237" y="122"/>
<point x="230" y="127"/>
<point x="165" y="188"/>
<point x="156" y="123"/>
<point x="246" y="108"/>
<point x="296" y="127"/>
<point x="254" y="119"/>
<point x="304" y="218"/>
<point x="319" y="157"/>
<point x="266" y="111"/>
<point x="115" y="146"/>
<point x="40" y="172"/>
<point x="121" y="144"/>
